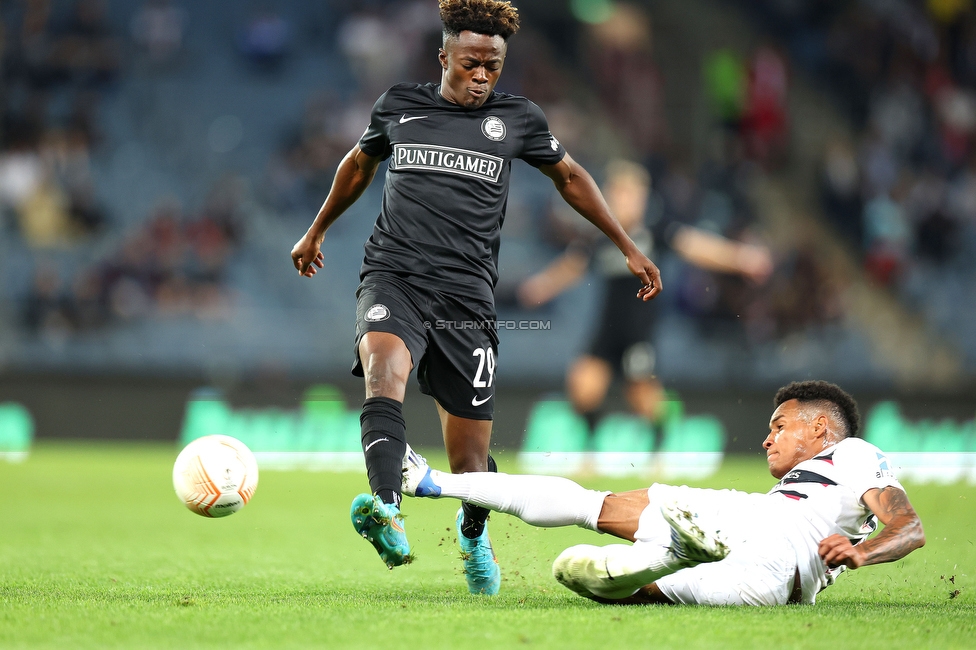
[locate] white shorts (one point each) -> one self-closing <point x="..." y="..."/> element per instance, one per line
<point x="761" y="565"/>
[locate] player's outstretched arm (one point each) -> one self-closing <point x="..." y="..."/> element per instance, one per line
<point x="564" y="272"/>
<point x="902" y="533"/>
<point x="580" y="191"/>
<point x="353" y="176"/>
<point x="716" y="253"/>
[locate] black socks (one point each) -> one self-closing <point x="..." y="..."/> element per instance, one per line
<point x="384" y="444"/>
<point x="593" y="419"/>
<point x="475" y="517"/>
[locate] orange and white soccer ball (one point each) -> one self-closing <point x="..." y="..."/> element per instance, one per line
<point x="215" y="476"/>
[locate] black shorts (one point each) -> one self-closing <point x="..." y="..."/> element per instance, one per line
<point x="624" y="325"/>
<point x="453" y="341"/>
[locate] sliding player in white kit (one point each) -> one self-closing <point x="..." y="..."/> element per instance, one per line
<point x="720" y="547"/>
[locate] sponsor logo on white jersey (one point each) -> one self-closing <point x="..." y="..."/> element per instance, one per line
<point x="376" y="313"/>
<point x="494" y="128"/>
<point x="447" y="159"/>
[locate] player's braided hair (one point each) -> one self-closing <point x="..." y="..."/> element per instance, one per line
<point x="491" y="17"/>
<point x="830" y="397"/>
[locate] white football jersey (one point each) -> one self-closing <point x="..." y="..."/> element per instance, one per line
<point x="823" y="497"/>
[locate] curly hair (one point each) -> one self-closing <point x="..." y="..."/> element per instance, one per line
<point x="830" y="397"/>
<point x="491" y="17"/>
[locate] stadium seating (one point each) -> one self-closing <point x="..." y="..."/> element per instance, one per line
<point x="179" y="130"/>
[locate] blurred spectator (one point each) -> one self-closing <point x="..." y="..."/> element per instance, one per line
<point x="85" y="214"/>
<point x="840" y="190"/>
<point x="66" y="156"/>
<point x="46" y="184"/>
<point x="804" y="294"/>
<point x="935" y="232"/>
<point x="46" y="308"/>
<point x="43" y="216"/>
<point x="886" y="236"/>
<point x="765" y="130"/>
<point x="31" y="53"/>
<point x="726" y="86"/>
<point x="420" y="25"/>
<point x="51" y="312"/>
<point x="265" y="40"/>
<point x="627" y="78"/>
<point x="956" y="112"/>
<point x="85" y="50"/>
<point x="398" y="42"/>
<point x="21" y="173"/>
<point x="158" y="30"/>
<point x="749" y="101"/>
<point x="373" y="48"/>
<point x="222" y="208"/>
<point x="300" y="173"/>
<point x="86" y="302"/>
<point x="908" y="72"/>
<point x="896" y="113"/>
<point x="962" y="195"/>
<point x="170" y="265"/>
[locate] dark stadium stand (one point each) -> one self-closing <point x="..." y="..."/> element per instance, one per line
<point x="235" y="120"/>
<point x="902" y="188"/>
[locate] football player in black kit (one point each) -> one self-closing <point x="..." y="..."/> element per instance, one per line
<point x="426" y="297"/>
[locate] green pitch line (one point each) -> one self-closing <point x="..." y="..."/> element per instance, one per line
<point x="96" y="551"/>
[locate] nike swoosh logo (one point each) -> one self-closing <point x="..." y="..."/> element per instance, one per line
<point x="404" y="118"/>
<point x="373" y="443"/>
<point x="478" y="402"/>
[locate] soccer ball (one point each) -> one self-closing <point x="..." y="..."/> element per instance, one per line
<point x="215" y="476"/>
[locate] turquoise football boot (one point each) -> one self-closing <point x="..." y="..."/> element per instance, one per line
<point x="381" y="524"/>
<point x="481" y="569"/>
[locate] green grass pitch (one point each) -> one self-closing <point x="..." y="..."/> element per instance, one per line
<point x="96" y="551"/>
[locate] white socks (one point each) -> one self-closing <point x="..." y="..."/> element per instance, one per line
<point x="613" y="571"/>
<point x="544" y="501"/>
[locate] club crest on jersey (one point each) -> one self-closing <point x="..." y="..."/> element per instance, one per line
<point x="430" y="157"/>
<point x="493" y="128"/>
<point x="376" y="313"/>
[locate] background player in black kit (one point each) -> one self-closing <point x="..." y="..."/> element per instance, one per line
<point x="620" y="344"/>
<point x="432" y="258"/>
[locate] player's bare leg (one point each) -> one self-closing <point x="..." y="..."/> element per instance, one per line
<point x="645" y="398"/>
<point x="466" y="442"/>
<point x="376" y="516"/>
<point x="386" y="365"/>
<point x="613" y="573"/>
<point x="621" y="513"/>
<point x="587" y="383"/>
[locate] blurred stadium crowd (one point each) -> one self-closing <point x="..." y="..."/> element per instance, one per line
<point x="157" y="159"/>
<point x="901" y="187"/>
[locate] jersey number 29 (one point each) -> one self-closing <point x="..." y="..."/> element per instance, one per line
<point x="486" y="357"/>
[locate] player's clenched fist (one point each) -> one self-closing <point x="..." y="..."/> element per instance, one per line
<point x="837" y="550"/>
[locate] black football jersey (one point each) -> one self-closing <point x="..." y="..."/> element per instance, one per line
<point x="446" y="187"/>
